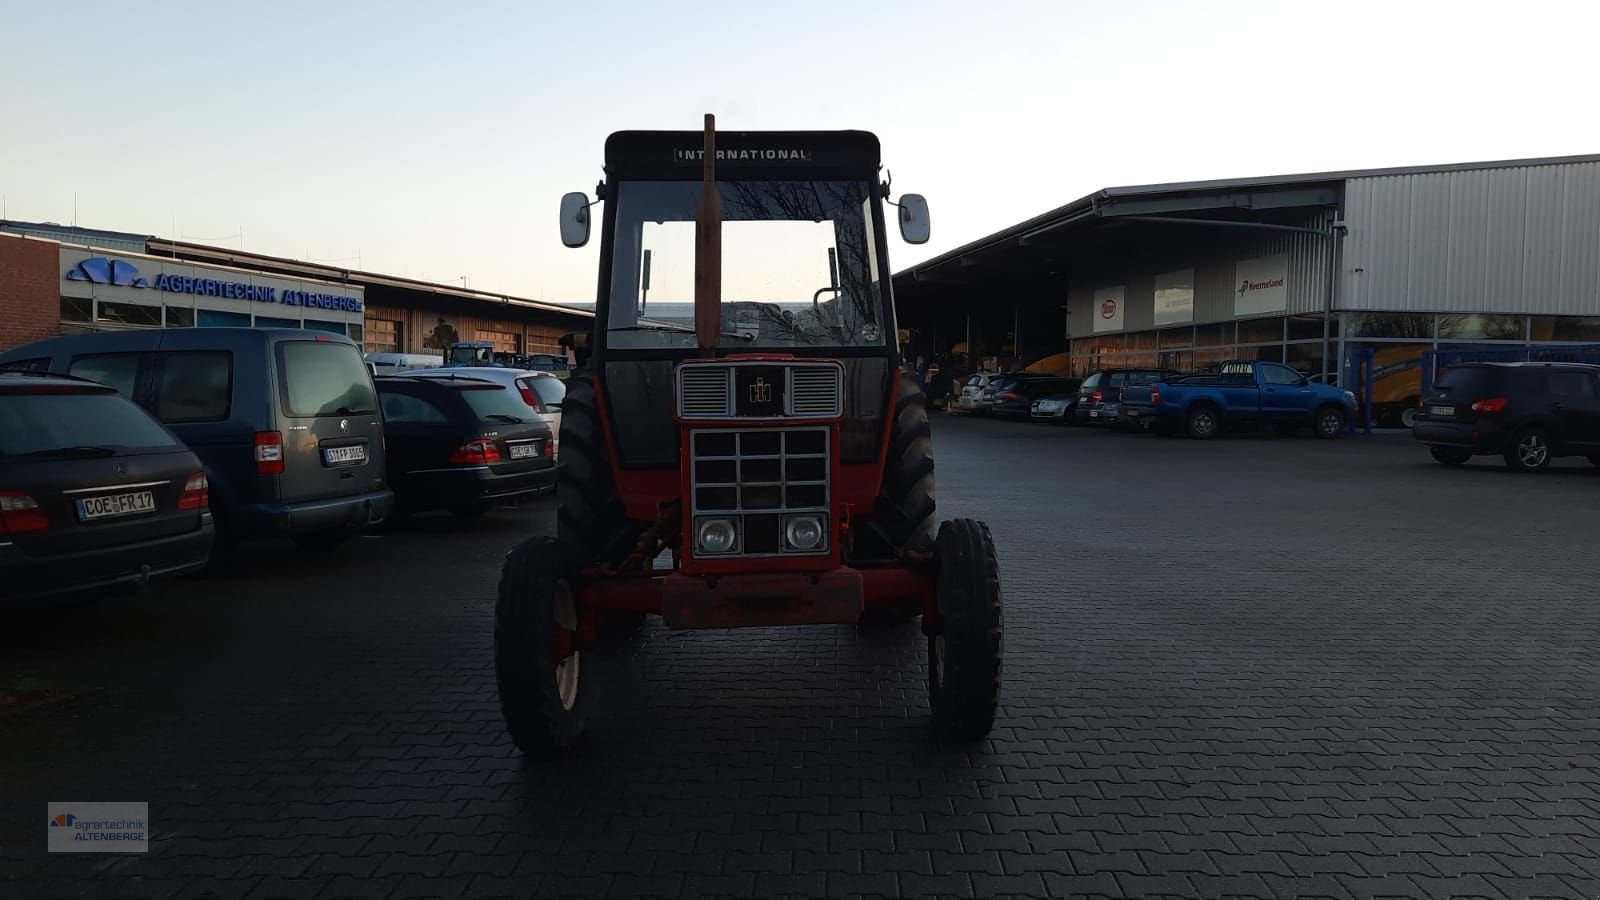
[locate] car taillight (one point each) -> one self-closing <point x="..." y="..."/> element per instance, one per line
<point x="20" y="512"/>
<point x="269" y="453"/>
<point x="476" y="453"/>
<point x="550" y="447"/>
<point x="530" y="398"/>
<point x="1095" y="397"/>
<point x="1155" y="396"/>
<point x="1010" y="395"/>
<point x="196" y="492"/>
<point x="1491" y="405"/>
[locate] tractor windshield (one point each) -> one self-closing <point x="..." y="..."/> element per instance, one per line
<point x="799" y="265"/>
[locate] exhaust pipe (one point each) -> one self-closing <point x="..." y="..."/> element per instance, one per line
<point x="708" y="249"/>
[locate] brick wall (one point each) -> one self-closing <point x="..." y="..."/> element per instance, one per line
<point x="30" y="299"/>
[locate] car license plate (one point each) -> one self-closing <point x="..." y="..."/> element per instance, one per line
<point x="1441" y="410"/>
<point x="1133" y="413"/>
<point x="337" y="456"/>
<point x="1094" y="413"/>
<point x="116" y="505"/>
<point x="523" y="451"/>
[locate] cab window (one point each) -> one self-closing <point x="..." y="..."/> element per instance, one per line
<point x="114" y="370"/>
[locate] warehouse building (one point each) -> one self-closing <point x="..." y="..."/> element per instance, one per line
<point x="1311" y="270"/>
<point x="59" y="279"/>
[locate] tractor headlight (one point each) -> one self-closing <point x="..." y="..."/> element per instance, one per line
<point x="715" y="535"/>
<point x="803" y="532"/>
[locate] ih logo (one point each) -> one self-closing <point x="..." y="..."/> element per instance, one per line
<point x="64" y="820"/>
<point x="760" y="391"/>
<point x="99" y="270"/>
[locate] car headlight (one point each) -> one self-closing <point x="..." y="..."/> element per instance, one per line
<point x="716" y="536"/>
<point x="803" y="532"/>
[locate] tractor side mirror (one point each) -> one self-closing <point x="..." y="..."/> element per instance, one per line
<point x="575" y="219"/>
<point x="914" y="225"/>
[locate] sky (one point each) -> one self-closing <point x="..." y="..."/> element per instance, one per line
<point x="434" y="140"/>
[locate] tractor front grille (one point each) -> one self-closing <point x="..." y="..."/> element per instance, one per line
<point x="760" y="479"/>
<point x="777" y="389"/>
<point x="705" y="391"/>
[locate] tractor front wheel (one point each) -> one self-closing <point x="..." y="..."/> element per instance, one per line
<point x="536" y="655"/>
<point x="964" y="656"/>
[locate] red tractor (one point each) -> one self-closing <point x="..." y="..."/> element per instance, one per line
<point x="753" y="455"/>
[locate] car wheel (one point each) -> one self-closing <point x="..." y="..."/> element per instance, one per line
<point x="1202" y="423"/>
<point x="1330" y="423"/>
<point x="964" y="658"/>
<point x="537" y="662"/>
<point x="1529" y="451"/>
<point x="1447" y="457"/>
<point x="1408" y="419"/>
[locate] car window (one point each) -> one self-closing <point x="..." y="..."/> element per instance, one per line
<point x="1579" y="385"/>
<point x="39" y="423"/>
<point x="550" y="390"/>
<point x="408" y="408"/>
<point x="1470" y="383"/>
<point x="1279" y="375"/>
<point x="323" y="378"/>
<point x="1090" y="383"/>
<point x="496" y="404"/>
<point x="37" y="364"/>
<point x="115" y="370"/>
<point x="196" y="386"/>
<point x="1116" y="379"/>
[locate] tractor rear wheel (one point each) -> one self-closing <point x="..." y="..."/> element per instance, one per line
<point x="590" y="519"/>
<point x="536" y="655"/>
<point x="902" y="516"/>
<point x="964" y="660"/>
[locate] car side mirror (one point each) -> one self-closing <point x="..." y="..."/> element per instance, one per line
<point x="914" y="225"/>
<point x="575" y="219"/>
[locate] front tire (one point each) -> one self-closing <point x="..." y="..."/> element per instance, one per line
<point x="1329" y="423"/>
<point x="536" y="657"/>
<point x="902" y="516"/>
<point x="1529" y="451"/>
<point x="1444" y="456"/>
<point x="590" y="519"/>
<point x="964" y="659"/>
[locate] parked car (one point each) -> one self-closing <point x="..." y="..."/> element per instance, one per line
<point x="1250" y="392"/>
<point x="1100" y="393"/>
<point x="1057" y="406"/>
<point x="461" y="444"/>
<point x="1014" y="395"/>
<point x="395" y="363"/>
<point x="284" y="421"/>
<point x="94" y="493"/>
<point x="542" y="391"/>
<point x="971" y="397"/>
<point x="1528" y="413"/>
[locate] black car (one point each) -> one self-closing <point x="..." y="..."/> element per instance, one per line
<point x="94" y="492"/>
<point x="1101" y="392"/>
<point x="1013" y="395"/>
<point x="1529" y="413"/>
<point x="461" y="443"/>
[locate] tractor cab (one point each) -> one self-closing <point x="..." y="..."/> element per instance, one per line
<point x="752" y="453"/>
<point x="470" y="353"/>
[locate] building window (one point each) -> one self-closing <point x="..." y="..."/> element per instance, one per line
<point x="1473" y="327"/>
<point x="504" y="341"/>
<point x="1175" y="338"/>
<point x="129" y="314"/>
<point x="77" y="309"/>
<point x="269" y="322"/>
<point x="353" y="329"/>
<point x="216" y="318"/>
<point x="180" y="317"/>
<point x="324" y="325"/>
<point x="1391" y="325"/>
<point x="1566" y="328"/>
<point x="1261" y="331"/>
<point x="1306" y="328"/>
<point x="385" y="336"/>
<point x="1214" y="335"/>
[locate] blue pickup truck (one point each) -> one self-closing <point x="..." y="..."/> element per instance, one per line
<point x="1241" y="393"/>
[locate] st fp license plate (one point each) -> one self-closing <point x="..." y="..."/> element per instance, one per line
<point x="116" y="505"/>
<point x="523" y="451"/>
<point x="1441" y="410"/>
<point x="337" y="456"/>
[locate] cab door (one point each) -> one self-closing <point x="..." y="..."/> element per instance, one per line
<point x="1285" y="396"/>
<point x="1575" y="405"/>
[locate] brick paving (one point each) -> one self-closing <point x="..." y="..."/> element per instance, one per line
<point x="1252" y="667"/>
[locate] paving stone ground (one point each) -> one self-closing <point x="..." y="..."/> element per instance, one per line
<point x="1250" y="667"/>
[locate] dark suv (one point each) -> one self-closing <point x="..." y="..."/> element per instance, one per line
<point x="1528" y="413"/>
<point x="1100" y="393"/>
<point x="286" y="421"/>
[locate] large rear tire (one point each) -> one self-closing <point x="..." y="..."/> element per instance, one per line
<point x="590" y="519"/>
<point x="536" y="658"/>
<point x="964" y="659"/>
<point x="902" y="516"/>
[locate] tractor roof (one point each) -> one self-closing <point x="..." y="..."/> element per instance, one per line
<point x="743" y="154"/>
